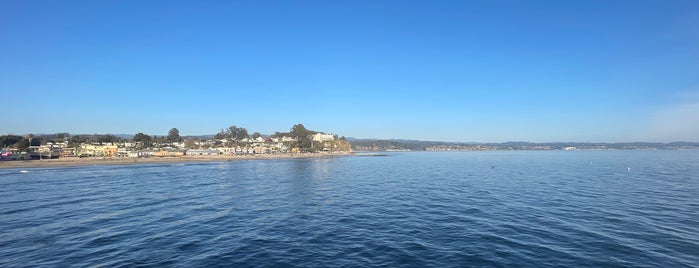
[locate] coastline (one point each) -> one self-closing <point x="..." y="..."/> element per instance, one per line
<point x="93" y="161"/>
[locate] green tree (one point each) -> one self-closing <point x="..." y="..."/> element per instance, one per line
<point x="220" y="135"/>
<point x="9" y="140"/>
<point x="233" y="132"/>
<point x="256" y="135"/>
<point x="62" y="136"/>
<point x="158" y="139"/>
<point x="173" y="135"/>
<point x="238" y="133"/>
<point x="298" y="131"/>
<point x="30" y="137"/>
<point x="42" y="140"/>
<point x="22" y="144"/>
<point x="77" y="140"/>
<point x="302" y="136"/>
<point x="143" y="139"/>
<point x="107" y="138"/>
<point x="111" y="138"/>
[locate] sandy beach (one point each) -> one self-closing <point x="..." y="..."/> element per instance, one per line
<point x="91" y="161"/>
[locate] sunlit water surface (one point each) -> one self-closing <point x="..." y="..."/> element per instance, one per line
<point x="537" y="209"/>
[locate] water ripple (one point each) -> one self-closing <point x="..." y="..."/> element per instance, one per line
<point x="536" y="209"/>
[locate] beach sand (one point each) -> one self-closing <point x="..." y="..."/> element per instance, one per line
<point x="92" y="161"/>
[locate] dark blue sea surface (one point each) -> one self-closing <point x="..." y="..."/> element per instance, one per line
<point x="489" y="209"/>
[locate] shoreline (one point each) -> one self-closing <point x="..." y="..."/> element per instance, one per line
<point x="102" y="161"/>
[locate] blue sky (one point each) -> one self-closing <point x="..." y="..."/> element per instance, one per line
<point x="432" y="70"/>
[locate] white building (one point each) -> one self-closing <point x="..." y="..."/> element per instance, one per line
<point x="288" y="139"/>
<point x="202" y="152"/>
<point x="227" y="150"/>
<point x="323" y="137"/>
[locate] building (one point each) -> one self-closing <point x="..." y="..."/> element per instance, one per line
<point x="96" y="150"/>
<point x="288" y="139"/>
<point x="202" y="152"/>
<point x="227" y="150"/>
<point x="68" y="152"/>
<point x="168" y="153"/>
<point x="323" y="137"/>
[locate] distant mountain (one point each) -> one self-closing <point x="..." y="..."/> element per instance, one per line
<point x="417" y="145"/>
<point x="392" y="144"/>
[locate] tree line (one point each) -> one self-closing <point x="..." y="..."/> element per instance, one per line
<point x="23" y="142"/>
<point x="302" y="136"/>
<point x="299" y="132"/>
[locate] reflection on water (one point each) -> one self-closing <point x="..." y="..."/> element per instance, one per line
<point x="419" y="209"/>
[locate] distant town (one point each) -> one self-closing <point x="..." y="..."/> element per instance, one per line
<point x="235" y="140"/>
<point x="229" y="141"/>
<point x="414" y="145"/>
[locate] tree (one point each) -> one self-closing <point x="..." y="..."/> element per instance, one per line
<point x="9" y="140"/>
<point x="238" y="133"/>
<point x="173" y="135"/>
<point x="107" y="138"/>
<point x="77" y="140"/>
<point x="62" y="136"/>
<point x="256" y="135"/>
<point x="189" y="143"/>
<point x="302" y="135"/>
<point x="156" y="139"/>
<point x="233" y="133"/>
<point x="298" y="131"/>
<point x="144" y="139"/>
<point x="30" y="137"/>
<point x="22" y="144"/>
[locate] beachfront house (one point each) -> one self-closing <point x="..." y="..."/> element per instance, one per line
<point x="168" y="153"/>
<point x="323" y="137"/>
<point x="96" y="150"/>
<point x="227" y="150"/>
<point x="67" y="152"/>
<point x="202" y="152"/>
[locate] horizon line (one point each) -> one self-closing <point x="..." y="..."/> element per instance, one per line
<point x="386" y="139"/>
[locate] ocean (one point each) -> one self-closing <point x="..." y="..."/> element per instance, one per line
<point x="409" y="209"/>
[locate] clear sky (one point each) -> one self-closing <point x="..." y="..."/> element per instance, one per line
<point x="472" y="71"/>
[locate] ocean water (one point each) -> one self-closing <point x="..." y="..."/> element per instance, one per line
<point x="477" y="209"/>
